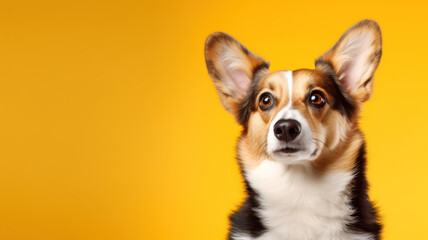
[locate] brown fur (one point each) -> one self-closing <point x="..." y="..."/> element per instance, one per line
<point x="252" y="146"/>
<point x="218" y="43"/>
<point x="363" y="28"/>
<point x="342" y="79"/>
<point x="335" y="132"/>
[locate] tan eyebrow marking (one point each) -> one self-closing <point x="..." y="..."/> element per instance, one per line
<point x="271" y="86"/>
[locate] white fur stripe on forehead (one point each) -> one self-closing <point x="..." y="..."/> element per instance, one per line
<point x="289" y="77"/>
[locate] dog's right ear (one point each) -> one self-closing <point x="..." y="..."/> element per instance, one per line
<point x="355" y="57"/>
<point x="232" y="68"/>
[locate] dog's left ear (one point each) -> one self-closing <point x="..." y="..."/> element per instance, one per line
<point x="232" y="68"/>
<point x="355" y="57"/>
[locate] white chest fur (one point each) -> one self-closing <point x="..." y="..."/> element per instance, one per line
<point x="297" y="204"/>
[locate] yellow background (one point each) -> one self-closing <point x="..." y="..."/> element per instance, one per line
<point x="110" y="127"/>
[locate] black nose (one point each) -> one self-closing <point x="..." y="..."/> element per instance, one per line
<point x="286" y="129"/>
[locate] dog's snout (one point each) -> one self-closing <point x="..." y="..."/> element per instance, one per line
<point x="287" y="129"/>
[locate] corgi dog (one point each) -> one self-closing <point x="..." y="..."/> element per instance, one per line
<point x="301" y="152"/>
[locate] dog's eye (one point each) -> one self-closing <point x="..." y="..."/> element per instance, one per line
<point x="266" y="101"/>
<point x="317" y="98"/>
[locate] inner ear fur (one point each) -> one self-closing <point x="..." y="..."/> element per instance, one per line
<point x="355" y="57"/>
<point x="232" y="68"/>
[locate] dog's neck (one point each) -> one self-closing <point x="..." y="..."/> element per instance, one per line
<point x="311" y="200"/>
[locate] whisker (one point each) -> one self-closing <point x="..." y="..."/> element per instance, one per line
<point x="316" y="139"/>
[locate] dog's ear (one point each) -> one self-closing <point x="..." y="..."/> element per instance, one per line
<point x="232" y="68"/>
<point x="355" y="57"/>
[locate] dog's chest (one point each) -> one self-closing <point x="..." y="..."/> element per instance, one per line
<point x="298" y="204"/>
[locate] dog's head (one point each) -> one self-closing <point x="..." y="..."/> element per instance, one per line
<point x="295" y="116"/>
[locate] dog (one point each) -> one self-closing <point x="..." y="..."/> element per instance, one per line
<point x="301" y="152"/>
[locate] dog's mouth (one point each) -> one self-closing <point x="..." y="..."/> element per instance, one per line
<point x="288" y="150"/>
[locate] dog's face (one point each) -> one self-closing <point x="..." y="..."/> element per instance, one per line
<point x="297" y="113"/>
<point x="295" y="116"/>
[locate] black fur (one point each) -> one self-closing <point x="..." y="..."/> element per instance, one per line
<point x="343" y="103"/>
<point x="248" y="104"/>
<point x="245" y="220"/>
<point x="365" y="215"/>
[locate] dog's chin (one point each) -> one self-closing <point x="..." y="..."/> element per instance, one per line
<point x="294" y="155"/>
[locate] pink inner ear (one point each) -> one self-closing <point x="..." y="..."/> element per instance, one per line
<point x="355" y="57"/>
<point x="354" y="69"/>
<point x="240" y="80"/>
